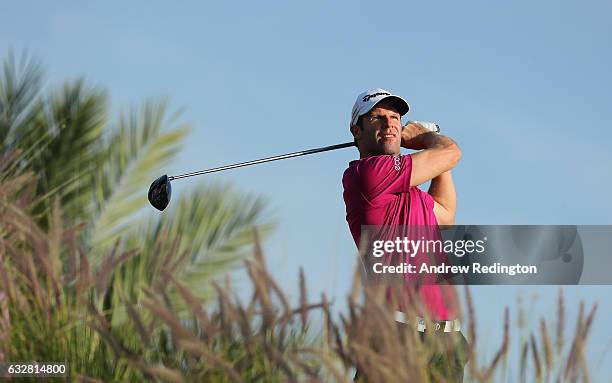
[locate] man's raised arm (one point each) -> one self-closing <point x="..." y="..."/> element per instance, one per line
<point x="437" y="156"/>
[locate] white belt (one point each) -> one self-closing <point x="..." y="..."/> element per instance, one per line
<point x="449" y="325"/>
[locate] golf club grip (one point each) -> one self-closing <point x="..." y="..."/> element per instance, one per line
<point x="262" y="160"/>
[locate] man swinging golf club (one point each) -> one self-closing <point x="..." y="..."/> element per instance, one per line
<point x="381" y="188"/>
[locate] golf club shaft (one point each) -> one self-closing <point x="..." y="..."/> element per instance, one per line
<point x="262" y="160"/>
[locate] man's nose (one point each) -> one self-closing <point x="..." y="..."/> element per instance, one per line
<point x="387" y="122"/>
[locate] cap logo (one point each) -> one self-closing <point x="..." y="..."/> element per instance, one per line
<point x="369" y="96"/>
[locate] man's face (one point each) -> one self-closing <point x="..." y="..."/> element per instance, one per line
<point x="380" y="131"/>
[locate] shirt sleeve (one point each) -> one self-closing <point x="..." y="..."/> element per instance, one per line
<point x="385" y="174"/>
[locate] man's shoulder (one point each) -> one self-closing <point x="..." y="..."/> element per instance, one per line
<point x="350" y="173"/>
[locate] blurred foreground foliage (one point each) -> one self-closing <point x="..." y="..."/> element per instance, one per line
<point x="55" y="305"/>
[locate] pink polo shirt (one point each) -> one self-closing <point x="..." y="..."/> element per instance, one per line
<point x="377" y="191"/>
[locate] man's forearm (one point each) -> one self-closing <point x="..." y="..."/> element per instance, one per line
<point x="442" y="189"/>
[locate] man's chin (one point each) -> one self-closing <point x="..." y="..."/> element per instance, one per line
<point x="391" y="149"/>
<point x="384" y="149"/>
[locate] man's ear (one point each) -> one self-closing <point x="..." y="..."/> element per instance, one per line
<point x="356" y="130"/>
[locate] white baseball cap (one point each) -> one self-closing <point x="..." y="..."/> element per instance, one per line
<point x="368" y="99"/>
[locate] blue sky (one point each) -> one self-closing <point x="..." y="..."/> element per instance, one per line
<point x="523" y="87"/>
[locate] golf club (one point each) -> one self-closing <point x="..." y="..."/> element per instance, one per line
<point x="160" y="190"/>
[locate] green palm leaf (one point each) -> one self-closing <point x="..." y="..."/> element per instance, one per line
<point x="74" y="119"/>
<point x="136" y="153"/>
<point x="20" y="88"/>
<point x="208" y="229"/>
<point x="57" y="133"/>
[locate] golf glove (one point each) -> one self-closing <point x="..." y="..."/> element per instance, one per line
<point x="431" y="126"/>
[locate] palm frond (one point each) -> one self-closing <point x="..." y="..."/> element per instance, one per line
<point x="75" y="118"/>
<point x="208" y="230"/>
<point x="20" y="88"/>
<point x="136" y="153"/>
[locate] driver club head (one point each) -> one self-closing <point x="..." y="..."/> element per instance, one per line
<point x="160" y="192"/>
